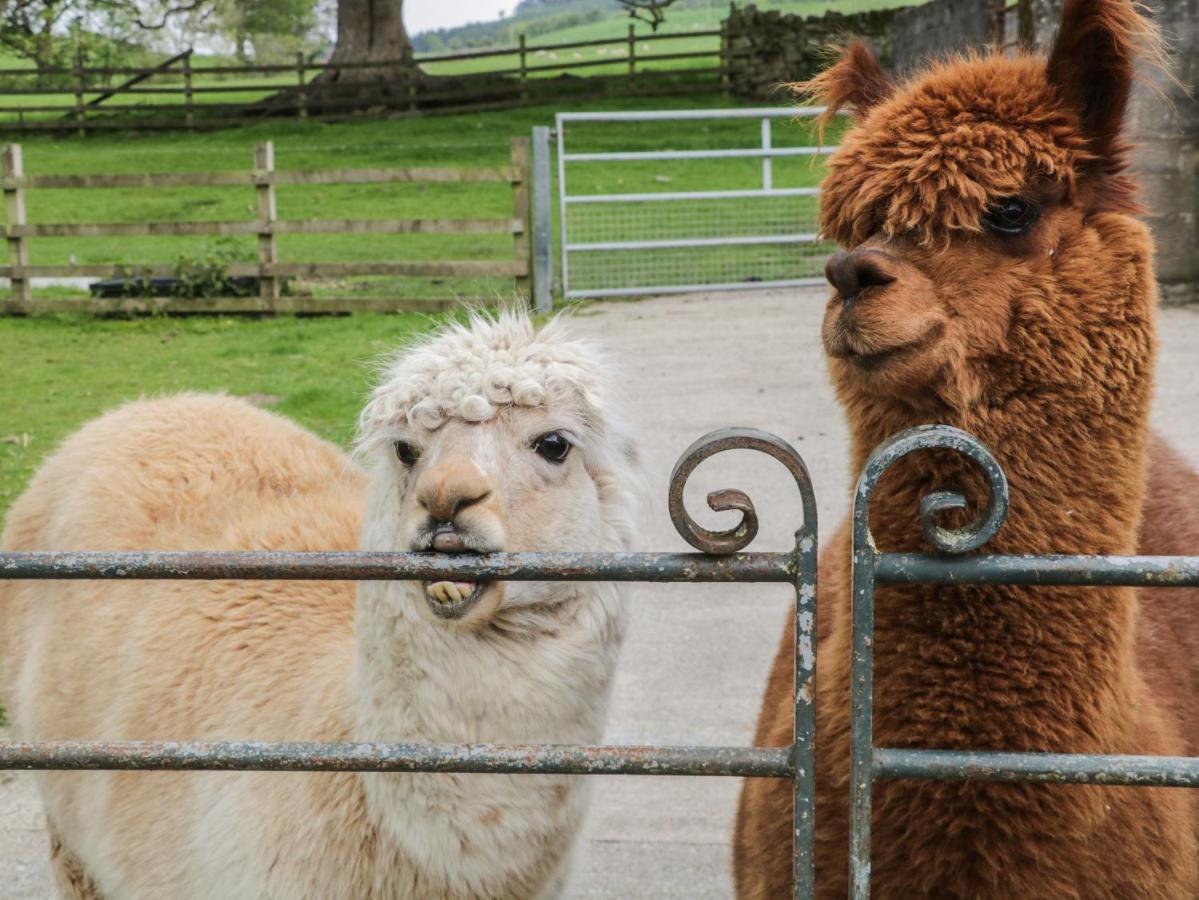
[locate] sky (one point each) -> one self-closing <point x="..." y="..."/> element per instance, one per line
<point x="421" y="15"/>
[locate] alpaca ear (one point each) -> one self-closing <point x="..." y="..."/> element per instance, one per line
<point x="1093" y="63"/>
<point x="855" y="80"/>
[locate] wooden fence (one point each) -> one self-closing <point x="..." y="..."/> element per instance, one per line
<point x="270" y="272"/>
<point x="184" y="95"/>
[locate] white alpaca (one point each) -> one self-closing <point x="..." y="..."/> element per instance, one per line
<point x="488" y="436"/>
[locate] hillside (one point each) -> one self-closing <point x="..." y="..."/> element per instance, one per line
<point x="560" y="21"/>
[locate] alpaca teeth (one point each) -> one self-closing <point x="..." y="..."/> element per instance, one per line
<point x="450" y="591"/>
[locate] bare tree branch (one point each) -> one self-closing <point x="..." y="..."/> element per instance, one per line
<point x="653" y="12"/>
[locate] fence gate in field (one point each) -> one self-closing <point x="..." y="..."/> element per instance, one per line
<point x="639" y="222"/>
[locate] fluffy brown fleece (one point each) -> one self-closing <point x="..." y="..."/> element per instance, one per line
<point x="1040" y="341"/>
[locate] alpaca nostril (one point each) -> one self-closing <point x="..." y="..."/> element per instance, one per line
<point x="853" y="273"/>
<point x="841" y="274"/>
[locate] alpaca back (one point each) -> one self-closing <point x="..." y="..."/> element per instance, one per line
<point x="245" y="660"/>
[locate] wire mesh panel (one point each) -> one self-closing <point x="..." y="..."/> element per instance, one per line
<point x="730" y="203"/>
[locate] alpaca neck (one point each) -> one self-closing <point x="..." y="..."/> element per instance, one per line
<point x="421" y="679"/>
<point x="417" y="680"/>
<point x="538" y="675"/>
<point x="1001" y="666"/>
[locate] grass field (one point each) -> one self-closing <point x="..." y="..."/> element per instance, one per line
<point x="61" y="372"/>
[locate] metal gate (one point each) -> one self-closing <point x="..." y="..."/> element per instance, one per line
<point x="721" y="560"/>
<point x="667" y="241"/>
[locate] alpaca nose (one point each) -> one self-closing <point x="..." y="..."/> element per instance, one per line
<point x="450" y="486"/>
<point x="853" y="272"/>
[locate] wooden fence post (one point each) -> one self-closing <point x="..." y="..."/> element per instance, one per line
<point x="524" y="69"/>
<point x="632" y="52"/>
<point x="14" y="219"/>
<point x="302" y="95"/>
<point x="187" y="91"/>
<point x="410" y="78"/>
<point x="78" y="73"/>
<point x="521" y="214"/>
<point x="268" y="214"/>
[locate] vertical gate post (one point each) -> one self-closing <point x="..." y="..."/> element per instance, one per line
<point x="564" y="270"/>
<point x="14" y="214"/>
<point x="803" y="831"/>
<point x="188" y="98"/>
<point x="767" y="162"/>
<point x="268" y="250"/>
<point x="521" y="243"/>
<point x="543" y="267"/>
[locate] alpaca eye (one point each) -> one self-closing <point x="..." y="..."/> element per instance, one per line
<point x="552" y="446"/>
<point x="1011" y="216"/>
<point x="407" y="453"/>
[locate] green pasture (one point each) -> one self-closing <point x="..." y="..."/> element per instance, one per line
<point x="480" y="139"/>
<point x="62" y="370"/>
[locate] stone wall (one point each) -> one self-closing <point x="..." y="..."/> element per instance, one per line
<point x="1164" y="124"/>
<point x="765" y="49"/>
<point x="940" y="27"/>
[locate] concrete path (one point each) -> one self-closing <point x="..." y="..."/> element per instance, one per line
<point x="696" y="657"/>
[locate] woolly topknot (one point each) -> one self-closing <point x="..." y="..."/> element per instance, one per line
<point x="473" y="370"/>
<point x="929" y="160"/>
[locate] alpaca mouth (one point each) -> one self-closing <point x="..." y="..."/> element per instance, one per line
<point x="873" y="360"/>
<point x="452" y="599"/>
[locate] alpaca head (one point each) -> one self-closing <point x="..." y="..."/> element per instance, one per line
<point x="985" y="209"/>
<point x="495" y="436"/>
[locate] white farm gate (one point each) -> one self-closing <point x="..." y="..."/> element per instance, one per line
<point x="757" y="228"/>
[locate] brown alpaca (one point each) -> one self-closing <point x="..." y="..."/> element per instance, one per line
<point x="996" y="280"/>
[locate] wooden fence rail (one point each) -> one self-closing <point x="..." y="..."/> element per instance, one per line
<point x="82" y="100"/>
<point x="266" y="225"/>
<point x="526" y="73"/>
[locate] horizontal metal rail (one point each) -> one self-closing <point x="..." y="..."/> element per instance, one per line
<point x="1066" y="768"/>
<point x="376" y="566"/>
<point x="693" y="288"/>
<point x="546" y="759"/>
<point x="753" y="193"/>
<point x="740" y="153"/>
<point x="678" y="115"/>
<point x="1128" y="571"/>
<point x="749" y="240"/>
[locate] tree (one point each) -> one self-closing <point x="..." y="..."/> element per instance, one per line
<point x="370" y="31"/>
<point x="651" y="11"/>
<point x="41" y="30"/>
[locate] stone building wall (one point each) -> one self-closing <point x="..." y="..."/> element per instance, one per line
<point x="1164" y="124"/>
<point x="765" y="49"/>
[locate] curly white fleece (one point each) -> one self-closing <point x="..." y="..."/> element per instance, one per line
<point x="471" y="371"/>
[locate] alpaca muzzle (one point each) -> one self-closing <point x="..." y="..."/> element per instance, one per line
<point x="451" y="599"/>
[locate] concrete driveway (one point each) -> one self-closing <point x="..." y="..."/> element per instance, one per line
<point x="696" y="656"/>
